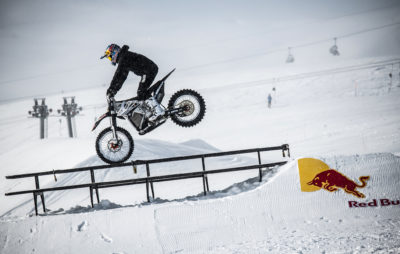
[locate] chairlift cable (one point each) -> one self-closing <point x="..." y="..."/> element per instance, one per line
<point x="285" y="49"/>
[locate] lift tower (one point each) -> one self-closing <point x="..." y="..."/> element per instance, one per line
<point x="41" y="111"/>
<point x="70" y="110"/>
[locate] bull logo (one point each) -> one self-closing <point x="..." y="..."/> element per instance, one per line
<point x="316" y="175"/>
<point x="331" y="180"/>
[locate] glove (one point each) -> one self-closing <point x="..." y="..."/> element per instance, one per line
<point x="110" y="95"/>
<point x="110" y="92"/>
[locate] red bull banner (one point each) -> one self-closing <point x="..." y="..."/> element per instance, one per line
<point x="316" y="175"/>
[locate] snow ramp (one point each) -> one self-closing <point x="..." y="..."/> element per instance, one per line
<point x="249" y="217"/>
<point x="279" y="216"/>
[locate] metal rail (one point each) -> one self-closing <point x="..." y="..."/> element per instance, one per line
<point x="149" y="180"/>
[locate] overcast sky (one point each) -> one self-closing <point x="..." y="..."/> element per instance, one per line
<point x="49" y="46"/>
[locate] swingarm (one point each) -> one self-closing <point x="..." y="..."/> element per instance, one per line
<point x="176" y="110"/>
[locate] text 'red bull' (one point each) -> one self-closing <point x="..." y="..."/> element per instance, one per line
<point x="375" y="203"/>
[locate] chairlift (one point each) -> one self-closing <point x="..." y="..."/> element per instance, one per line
<point x="334" y="49"/>
<point x="290" y="58"/>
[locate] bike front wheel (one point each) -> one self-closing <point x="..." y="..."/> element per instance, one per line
<point x="112" y="150"/>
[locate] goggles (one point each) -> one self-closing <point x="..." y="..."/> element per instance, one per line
<point x="107" y="54"/>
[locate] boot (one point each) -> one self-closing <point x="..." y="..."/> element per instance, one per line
<point x="158" y="111"/>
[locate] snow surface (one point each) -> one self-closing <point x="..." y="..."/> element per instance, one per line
<point x="351" y="121"/>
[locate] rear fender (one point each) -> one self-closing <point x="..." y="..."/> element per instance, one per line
<point x="101" y="118"/>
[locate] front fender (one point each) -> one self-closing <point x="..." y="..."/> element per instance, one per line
<point x="101" y="118"/>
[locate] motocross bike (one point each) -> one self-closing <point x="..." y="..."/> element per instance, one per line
<point x="114" y="144"/>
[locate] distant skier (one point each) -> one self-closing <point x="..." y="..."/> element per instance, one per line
<point x="269" y="100"/>
<point x="138" y="64"/>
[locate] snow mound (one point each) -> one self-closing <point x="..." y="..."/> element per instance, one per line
<point x="258" y="217"/>
<point x="267" y="212"/>
<point x="199" y="143"/>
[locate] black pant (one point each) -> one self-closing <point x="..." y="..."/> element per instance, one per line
<point x="145" y="83"/>
<point x="122" y="73"/>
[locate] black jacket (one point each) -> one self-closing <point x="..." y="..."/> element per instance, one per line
<point x="129" y="61"/>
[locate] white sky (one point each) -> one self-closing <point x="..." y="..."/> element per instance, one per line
<point x="49" y="46"/>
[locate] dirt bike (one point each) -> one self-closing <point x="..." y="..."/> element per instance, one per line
<point x="114" y="144"/>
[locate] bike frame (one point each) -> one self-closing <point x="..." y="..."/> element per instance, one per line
<point x="156" y="89"/>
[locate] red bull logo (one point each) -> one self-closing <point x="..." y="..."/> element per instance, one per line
<point x="331" y="180"/>
<point x="316" y="175"/>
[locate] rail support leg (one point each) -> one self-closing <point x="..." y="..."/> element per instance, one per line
<point x="152" y="189"/>
<point x="151" y="183"/>
<point x="259" y="169"/>
<point x="97" y="195"/>
<point x="43" y="203"/>
<point x="91" y="196"/>
<point x="37" y="184"/>
<point x="94" y="181"/>
<point x="147" y="191"/>
<point x="35" y="201"/>
<point x="206" y="187"/>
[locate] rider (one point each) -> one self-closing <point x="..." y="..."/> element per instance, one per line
<point x="138" y="64"/>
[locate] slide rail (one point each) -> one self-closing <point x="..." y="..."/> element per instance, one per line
<point x="148" y="180"/>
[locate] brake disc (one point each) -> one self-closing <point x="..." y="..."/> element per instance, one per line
<point x="114" y="147"/>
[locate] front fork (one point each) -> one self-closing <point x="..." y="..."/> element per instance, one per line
<point x="113" y="120"/>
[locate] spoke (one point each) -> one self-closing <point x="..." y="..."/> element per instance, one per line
<point x="196" y="105"/>
<point x="118" y="153"/>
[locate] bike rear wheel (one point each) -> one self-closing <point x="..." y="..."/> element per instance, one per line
<point x="111" y="150"/>
<point x="193" y="106"/>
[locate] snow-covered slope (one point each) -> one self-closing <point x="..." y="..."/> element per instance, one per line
<point x="270" y="216"/>
<point x="348" y="120"/>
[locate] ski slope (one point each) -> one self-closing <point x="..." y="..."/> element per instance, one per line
<point x="349" y="120"/>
